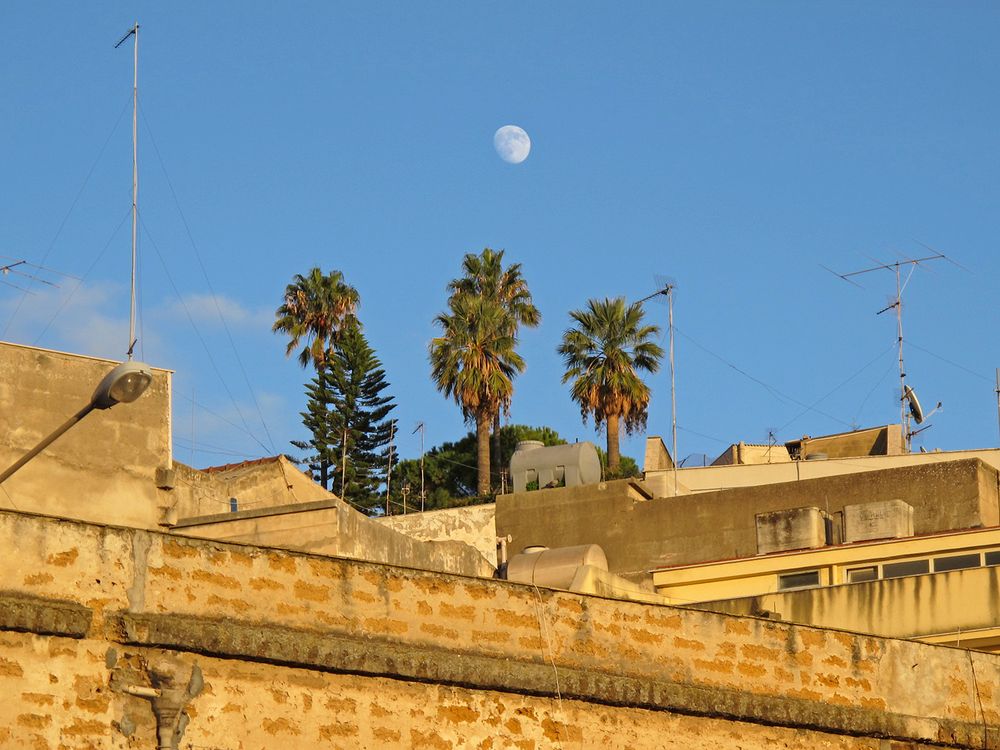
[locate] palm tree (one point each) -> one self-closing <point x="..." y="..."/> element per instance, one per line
<point x="315" y="311"/>
<point x="474" y="362"/>
<point x="602" y="354"/>
<point x="484" y="275"/>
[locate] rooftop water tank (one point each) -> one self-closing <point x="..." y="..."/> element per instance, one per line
<point x="554" y="568"/>
<point x="572" y="464"/>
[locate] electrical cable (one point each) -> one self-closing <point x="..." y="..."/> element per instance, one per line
<point x="72" y="206"/>
<point x="79" y="283"/>
<point x="949" y="362"/>
<point x="208" y="282"/>
<point x="771" y="389"/>
<point x="201" y="339"/>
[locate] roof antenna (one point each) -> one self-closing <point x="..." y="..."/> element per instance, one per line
<point x="134" y="31"/>
<point x="897" y="304"/>
<point x="666" y="288"/>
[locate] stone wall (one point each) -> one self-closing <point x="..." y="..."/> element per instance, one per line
<point x="100" y="626"/>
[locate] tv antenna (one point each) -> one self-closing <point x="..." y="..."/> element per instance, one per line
<point x="422" y="429"/>
<point x="907" y="397"/>
<point x="134" y="31"/>
<point x="667" y="287"/>
<point x="19" y="268"/>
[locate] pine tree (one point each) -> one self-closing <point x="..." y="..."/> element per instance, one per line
<point x="318" y="419"/>
<point x="346" y="403"/>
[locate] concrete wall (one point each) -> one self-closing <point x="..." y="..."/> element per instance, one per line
<point x="638" y="536"/>
<point x="714" y="478"/>
<point x="474" y="525"/>
<point x="263" y="648"/>
<point x="331" y="527"/>
<point x="963" y="605"/>
<point x="103" y="468"/>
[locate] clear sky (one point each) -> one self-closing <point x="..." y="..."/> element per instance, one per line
<point x="731" y="146"/>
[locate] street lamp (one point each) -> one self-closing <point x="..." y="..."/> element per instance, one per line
<point x="122" y="385"/>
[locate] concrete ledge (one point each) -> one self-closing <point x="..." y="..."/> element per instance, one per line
<point x="240" y="515"/>
<point x="378" y="658"/>
<point x="31" y="614"/>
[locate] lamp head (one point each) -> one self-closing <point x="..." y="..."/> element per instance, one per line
<point x="122" y="385"/>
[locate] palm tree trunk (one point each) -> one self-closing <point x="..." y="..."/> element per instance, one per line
<point x="483" y="454"/>
<point x="614" y="457"/>
<point x="495" y="467"/>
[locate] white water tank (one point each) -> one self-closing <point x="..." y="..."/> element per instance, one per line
<point x="553" y="568"/>
<point x="572" y="464"/>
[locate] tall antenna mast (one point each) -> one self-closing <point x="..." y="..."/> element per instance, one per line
<point x="904" y="413"/>
<point x="422" y="429"/>
<point x="134" y="31"/>
<point x="668" y="291"/>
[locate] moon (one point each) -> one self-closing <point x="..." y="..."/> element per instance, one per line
<point x="512" y="144"/>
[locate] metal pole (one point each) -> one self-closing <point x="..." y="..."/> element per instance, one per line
<point x="343" y="467"/>
<point x="998" y="398"/>
<point x="388" y="473"/>
<point x="135" y="183"/>
<point x="47" y="441"/>
<point x="673" y="390"/>
<point x="904" y="416"/>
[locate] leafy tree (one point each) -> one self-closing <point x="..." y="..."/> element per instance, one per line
<point x="474" y="361"/>
<point x="484" y="275"/>
<point x="314" y="311"/>
<point x="450" y="470"/>
<point x="602" y="354"/>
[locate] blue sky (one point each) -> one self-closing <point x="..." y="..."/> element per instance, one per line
<point x="734" y="147"/>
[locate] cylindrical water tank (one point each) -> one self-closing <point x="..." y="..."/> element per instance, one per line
<point x="554" y="568"/>
<point x="571" y="464"/>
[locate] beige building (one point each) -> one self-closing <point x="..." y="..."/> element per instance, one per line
<point x="151" y="605"/>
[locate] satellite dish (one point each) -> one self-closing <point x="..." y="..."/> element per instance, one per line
<point x="915" y="411"/>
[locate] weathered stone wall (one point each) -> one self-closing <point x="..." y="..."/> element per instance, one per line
<point x="639" y="536"/>
<point x="474" y="525"/>
<point x="307" y="651"/>
<point x="103" y="469"/>
<point x="332" y="527"/>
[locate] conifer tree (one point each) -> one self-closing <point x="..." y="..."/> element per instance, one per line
<point x="361" y="415"/>
<point x="347" y="416"/>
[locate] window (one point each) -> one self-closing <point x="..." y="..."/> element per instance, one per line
<point x="993" y="558"/>
<point x="234" y="505"/>
<point x="956" y="562"/>
<point x="906" y="568"/>
<point x="798" y="580"/>
<point x="857" y="575"/>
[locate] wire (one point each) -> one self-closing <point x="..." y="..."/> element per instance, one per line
<point x="72" y="206"/>
<point x="771" y="389"/>
<point x="208" y="352"/>
<point x="204" y="273"/>
<point x="949" y="362"/>
<point x="74" y="290"/>
<point x="852" y="377"/>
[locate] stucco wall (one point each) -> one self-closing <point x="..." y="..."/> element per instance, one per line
<point x="474" y="525"/>
<point x="331" y="527"/>
<point x="957" y="602"/>
<point x="713" y="478"/>
<point x="103" y="468"/>
<point x="639" y="536"/>
<point x="303" y="650"/>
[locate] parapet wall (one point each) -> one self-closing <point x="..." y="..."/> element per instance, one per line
<point x="326" y="652"/>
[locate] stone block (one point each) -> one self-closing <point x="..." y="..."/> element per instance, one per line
<point x="792" y="529"/>
<point x="887" y="519"/>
